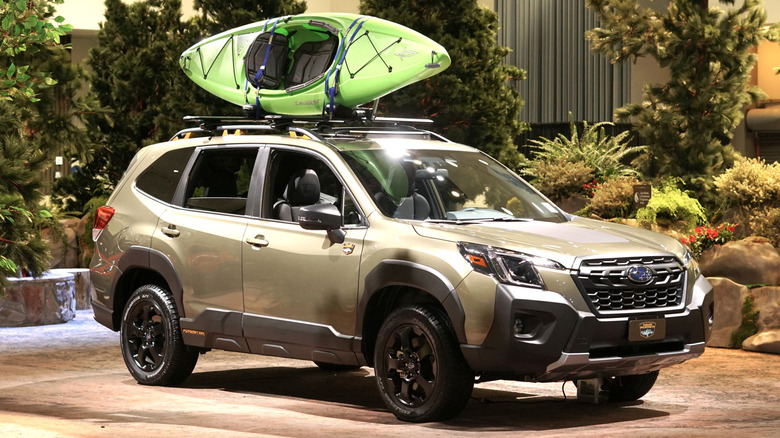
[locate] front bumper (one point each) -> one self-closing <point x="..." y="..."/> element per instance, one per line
<point x="540" y="336"/>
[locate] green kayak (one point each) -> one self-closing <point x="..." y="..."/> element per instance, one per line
<point x="312" y="64"/>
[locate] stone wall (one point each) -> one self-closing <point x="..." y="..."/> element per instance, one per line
<point x="37" y="301"/>
<point x="731" y="268"/>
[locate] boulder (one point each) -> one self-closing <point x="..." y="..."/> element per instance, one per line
<point x="65" y="248"/>
<point x="764" y="342"/>
<point x="767" y="302"/>
<point x="728" y="297"/>
<point x="749" y="261"/>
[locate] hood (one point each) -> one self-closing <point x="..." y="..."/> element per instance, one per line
<point x="561" y="242"/>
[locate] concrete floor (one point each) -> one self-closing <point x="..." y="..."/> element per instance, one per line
<point x="69" y="380"/>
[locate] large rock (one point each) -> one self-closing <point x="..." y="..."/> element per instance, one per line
<point x="767" y="302"/>
<point x="749" y="261"/>
<point x="729" y="297"/>
<point x="66" y="248"/>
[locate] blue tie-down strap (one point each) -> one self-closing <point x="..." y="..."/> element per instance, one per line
<point x="261" y="70"/>
<point x="332" y="90"/>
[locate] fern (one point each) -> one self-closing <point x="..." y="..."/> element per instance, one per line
<point x="670" y="204"/>
<point x="603" y="153"/>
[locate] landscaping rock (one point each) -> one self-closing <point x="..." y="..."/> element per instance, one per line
<point x="767" y="302"/>
<point x="749" y="261"/>
<point x="65" y="249"/>
<point x="729" y="297"/>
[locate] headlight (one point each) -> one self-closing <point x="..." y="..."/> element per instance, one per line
<point x="507" y="266"/>
<point x="690" y="263"/>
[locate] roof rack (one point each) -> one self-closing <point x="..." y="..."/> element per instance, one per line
<point x="313" y="126"/>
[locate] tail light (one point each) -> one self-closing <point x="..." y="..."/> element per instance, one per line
<point x="102" y="216"/>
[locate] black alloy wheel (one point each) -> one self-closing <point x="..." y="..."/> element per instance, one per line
<point x="420" y="371"/>
<point x="151" y="340"/>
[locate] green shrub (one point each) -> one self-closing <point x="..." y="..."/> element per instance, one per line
<point x="749" y="326"/>
<point x="766" y="223"/>
<point x="614" y="198"/>
<point x="606" y="155"/>
<point x="670" y="205"/>
<point x="559" y="178"/>
<point x="750" y="183"/>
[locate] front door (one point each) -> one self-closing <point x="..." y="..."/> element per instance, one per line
<point x="300" y="289"/>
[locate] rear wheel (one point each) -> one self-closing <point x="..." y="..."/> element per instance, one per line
<point x="151" y="340"/>
<point x="630" y="388"/>
<point x="420" y="371"/>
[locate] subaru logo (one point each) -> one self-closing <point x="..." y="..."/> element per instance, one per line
<point x="639" y="274"/>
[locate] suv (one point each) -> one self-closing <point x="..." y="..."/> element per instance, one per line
<point x="391" y="248"/>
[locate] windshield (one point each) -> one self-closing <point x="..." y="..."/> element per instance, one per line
<point x="445" y="185"/>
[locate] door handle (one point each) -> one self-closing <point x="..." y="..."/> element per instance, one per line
<point x="170" y="231"/>
<point x="257" y="242"/>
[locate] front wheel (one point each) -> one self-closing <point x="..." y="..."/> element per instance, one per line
<point x="630" y="388"/>
<point x="420" y="371"/>
<point x="151" y="340"/>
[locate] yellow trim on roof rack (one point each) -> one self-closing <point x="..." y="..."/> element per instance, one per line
<point x="296" y="135"/>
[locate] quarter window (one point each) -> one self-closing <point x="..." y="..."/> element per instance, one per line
<point x="161" y="178"/>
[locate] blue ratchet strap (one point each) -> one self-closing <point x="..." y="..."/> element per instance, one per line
<point x="261" y="70"/>
<point x="246" y="81"/>
<point x="331" y="91"/>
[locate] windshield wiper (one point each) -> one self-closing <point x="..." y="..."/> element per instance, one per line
<point x="480" y="220"/>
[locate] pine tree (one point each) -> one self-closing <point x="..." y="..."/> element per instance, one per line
<point x="215" y="17"/>
<point x="25" y="30"/>
<point x="471" y="102"/>
<point x="688" y="121"/>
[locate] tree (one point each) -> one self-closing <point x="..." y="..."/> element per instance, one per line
<point x="471" y="102"/>
<point x="688" y="121"/>
<point x="215" y="17"/>
<point x="24" y="30"/>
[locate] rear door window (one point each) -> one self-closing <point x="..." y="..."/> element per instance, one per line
<point x="220" y="180"/>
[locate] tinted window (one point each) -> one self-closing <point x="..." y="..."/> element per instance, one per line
<point x="162" y="177"/>
<point x="220" y="180"/>
<point x="287" y="168"/>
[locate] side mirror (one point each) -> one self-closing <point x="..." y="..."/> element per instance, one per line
<point x="323" y="217"/>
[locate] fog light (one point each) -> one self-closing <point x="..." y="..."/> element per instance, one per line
<point x="518" y="326"/>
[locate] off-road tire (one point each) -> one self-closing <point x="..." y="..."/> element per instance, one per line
<point x="151" y="340"/>
<point x="420" y="371"/>
<point x="630" y="388"/>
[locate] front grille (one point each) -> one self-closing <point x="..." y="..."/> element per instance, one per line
<point x="605" y="284"/>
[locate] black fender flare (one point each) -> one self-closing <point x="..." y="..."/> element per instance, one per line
<point x="153" y="260"/>
<point x="393" y="272"/>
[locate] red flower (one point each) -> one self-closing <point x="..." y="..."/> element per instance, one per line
<point x="731" y="228"/>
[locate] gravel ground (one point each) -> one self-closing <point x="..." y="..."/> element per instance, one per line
<point x="69" y="380"/>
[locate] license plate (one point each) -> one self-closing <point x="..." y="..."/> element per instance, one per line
<point x="646" y="329"/>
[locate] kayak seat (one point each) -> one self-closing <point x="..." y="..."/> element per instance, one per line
<point x="310" y="62"/>
<point x="276" y="64"/>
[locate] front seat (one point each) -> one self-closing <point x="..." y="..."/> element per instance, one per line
<point x="303" y="189"/>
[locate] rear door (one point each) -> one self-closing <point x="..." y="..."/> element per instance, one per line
<point x="203" y="235"/>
